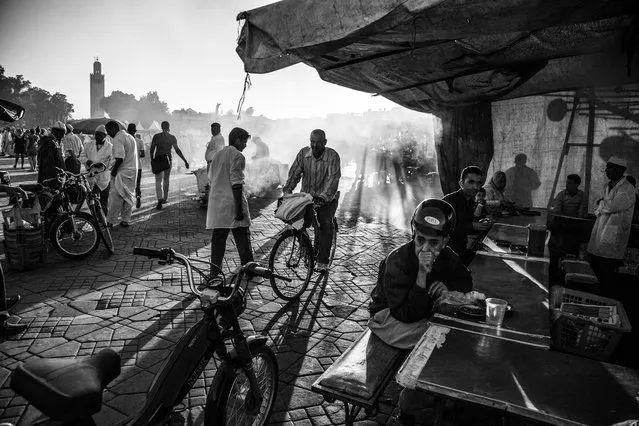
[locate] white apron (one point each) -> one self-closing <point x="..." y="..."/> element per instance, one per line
<point x="611" y="232"/>
<point x="226" y="169"/>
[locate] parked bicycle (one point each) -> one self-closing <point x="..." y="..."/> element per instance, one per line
<point x="294" y="253"/>
<point x="243" y="389"/>
<point x="73" y="234"/>
<point x="92" y="200"/>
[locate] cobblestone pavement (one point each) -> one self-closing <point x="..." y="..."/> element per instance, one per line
<point x="137" y="307"/>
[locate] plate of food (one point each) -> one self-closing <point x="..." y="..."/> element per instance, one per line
<point x="472" y="311"/>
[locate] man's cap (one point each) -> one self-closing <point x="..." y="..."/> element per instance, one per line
<point x="434" y="217"/>
<point x="59" y="125"/>
<point x="615" y="159"/>
<point x="100" y="129"/>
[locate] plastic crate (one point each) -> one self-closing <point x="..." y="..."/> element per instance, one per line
<point x="581" y="336"/>
<point x="25" y="248"/>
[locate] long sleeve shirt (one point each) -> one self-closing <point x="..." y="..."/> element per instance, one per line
<point x="570" y="205"/>
<point x="320" y="176"/>
<point x="611" y="232"/>
<point x="397" y="287"/>
<point x="464" y="211"/>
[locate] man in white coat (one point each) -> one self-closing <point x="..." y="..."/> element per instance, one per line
<point x="228" y="207"/>
<point x="123" y="175"/>
<point x="99" y="151"/>
<point x="611" y="232"/>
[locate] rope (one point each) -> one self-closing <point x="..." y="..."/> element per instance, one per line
<point x="247" y="85"/>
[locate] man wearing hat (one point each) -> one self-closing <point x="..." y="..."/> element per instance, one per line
<point x="611" y="232"/>
<point x="99" y="150"/>
<point x="49" y="155"/>
<point x="71" y="150"/>
<point x="123" y="175"/>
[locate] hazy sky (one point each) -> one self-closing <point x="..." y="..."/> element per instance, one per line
<point x="185" y="50"/>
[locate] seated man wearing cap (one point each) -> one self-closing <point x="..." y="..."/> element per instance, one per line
<point x="49" y="153"/>
<point x="415" y="275"/>
<point x="410" y="280"/>
<point x="611" y="232"/>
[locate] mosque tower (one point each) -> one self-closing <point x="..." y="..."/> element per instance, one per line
<point x="97" y="89"/>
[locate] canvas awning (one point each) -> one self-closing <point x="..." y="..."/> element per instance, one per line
<point x="430" y="55"/>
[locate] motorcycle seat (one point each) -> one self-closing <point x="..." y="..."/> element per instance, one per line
<point x="66" y="389"/>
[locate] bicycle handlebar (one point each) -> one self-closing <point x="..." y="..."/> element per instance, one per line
<point x="167" y="254"/>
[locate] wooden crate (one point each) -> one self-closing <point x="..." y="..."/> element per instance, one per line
<point x="25" y="248"/>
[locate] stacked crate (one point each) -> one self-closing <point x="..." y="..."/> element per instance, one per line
<point x="25" y="242"/>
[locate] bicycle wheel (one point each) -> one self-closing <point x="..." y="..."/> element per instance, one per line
<point x="103" y="229"/>
<point x="79" y="244"/>
<point x="236" y="406"/>
<point x="291" y="257"/>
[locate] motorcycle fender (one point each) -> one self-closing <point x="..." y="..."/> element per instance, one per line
<point x="226" y="369"/>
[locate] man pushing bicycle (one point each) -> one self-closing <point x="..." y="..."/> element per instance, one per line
<point x="319" y="169"/>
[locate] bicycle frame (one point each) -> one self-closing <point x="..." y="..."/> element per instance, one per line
<point x="192" y="354"/>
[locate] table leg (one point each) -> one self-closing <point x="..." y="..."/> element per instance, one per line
<point x="439" y="411"/>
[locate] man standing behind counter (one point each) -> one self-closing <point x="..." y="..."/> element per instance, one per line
<point x="462" y="201"/>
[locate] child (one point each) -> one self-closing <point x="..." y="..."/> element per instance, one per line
<point x="480" y="204"/>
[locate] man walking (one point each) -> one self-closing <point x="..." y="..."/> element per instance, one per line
<point x="462" y="201"/>
<point x="319" y="169"/>
<point x="227" y="206"/>
<point x="161" y="146"/>
<point x="123" y="175"/>
<point x="215" y="144"/>
<point x="49" y="155"/>
<point x="71" y="150"/>
<point x="99" y="150"/>
<point x="132" y="129"/>
<point x="611" y="232"/>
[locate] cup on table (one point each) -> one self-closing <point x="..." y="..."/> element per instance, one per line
<point x="495" y="311"/>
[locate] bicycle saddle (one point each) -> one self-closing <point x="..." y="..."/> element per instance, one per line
<point x="66" y="389"/>
<point x="31" y="187"/>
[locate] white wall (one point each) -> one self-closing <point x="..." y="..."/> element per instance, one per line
<point x="522" y="126"/>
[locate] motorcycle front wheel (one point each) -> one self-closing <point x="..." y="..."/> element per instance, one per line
<point x="75" y="242"/>
<point x="236" y="405"/>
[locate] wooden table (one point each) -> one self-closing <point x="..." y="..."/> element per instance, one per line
<point x="549" y="386"/>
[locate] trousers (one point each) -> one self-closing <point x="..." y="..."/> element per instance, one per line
<point x="118" y="207"/>
<point x="242" y="239"/>
<point x="162" y="184"/>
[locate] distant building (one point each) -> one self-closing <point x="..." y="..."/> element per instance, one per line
<point x="97" y="90"/>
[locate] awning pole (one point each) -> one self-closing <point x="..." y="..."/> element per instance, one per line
<point x="590" y="140"/>
<point x="565" y="148"/>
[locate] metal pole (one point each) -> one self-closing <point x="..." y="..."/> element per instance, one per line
<point x="590" y="140"/>
<point x="565" y="148"/>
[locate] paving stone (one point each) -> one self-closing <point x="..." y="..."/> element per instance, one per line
<point x="40" y="346"/>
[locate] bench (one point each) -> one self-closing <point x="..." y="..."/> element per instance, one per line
<point x="360" y="375"/>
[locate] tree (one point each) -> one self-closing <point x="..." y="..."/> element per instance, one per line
<point x="41" y="108"/>
<point x="152" y="108"/>
<point x="121" y="106"/>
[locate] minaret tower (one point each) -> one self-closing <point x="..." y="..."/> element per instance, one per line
<point x="97" y="89"/>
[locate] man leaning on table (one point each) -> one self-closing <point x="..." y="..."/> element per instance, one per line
<point x="410" y="280"/>
<point x="611" y="232"/>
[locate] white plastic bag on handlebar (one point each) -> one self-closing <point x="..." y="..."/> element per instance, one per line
<point x="292" y="207"/>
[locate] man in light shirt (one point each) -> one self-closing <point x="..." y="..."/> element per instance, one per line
<point x="132" y="129"/>
<point x="215" y="144"/>
<point x="71" y="150"/>
<point x="123" y="175"/>
<point x="611" y="232"/>
<point x="319" y="169"/>
<point x="100" y="150"/>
